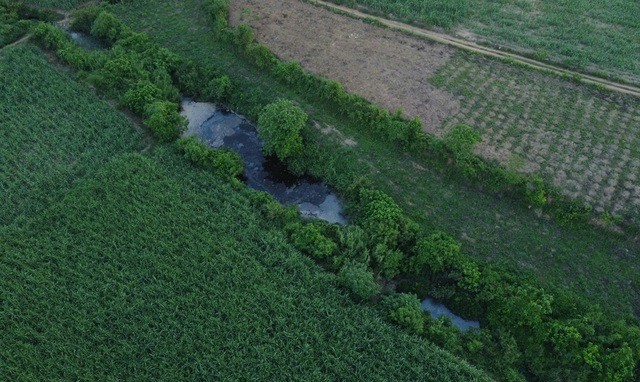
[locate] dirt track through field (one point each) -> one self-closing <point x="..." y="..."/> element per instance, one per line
<point x="384" y="66"/>
<point x="486" y="51"/>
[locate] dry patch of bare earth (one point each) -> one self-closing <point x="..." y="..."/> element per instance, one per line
<point x="386" y="67"/>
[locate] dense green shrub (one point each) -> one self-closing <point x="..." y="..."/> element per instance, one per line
<point x="460" y="141"/>
<point x="120" y="74"/>
<point x="437" y="253"/>
<point x="353" y="242"/>
<point x="243" y="36"/>
<point x="107" y="27"/>
<point x="140" y="95"/>
<point x="223" y="161"/>
<point x="219" y="88"/>
<point x="50" y="37"/>
<point x="276" y="214"/>
<point x="218" y="10"/>
<point x="280" y="125"/>
<point x="379" y="216"/>
<point x="309" y="239"/>
<point x="163" y="119"/>
<point x="405" y="310"/>
<point x="261" y="55"/>
<point x="387" y="261"/>
<point x="359" y="280"/>
<point x="83" y="18"/>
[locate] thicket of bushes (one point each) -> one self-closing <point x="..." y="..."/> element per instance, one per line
<point x="224" y="161"/>
<point x="16" y="19"/>
<point x="143" y="77"/>
<point x="525" y="329"/>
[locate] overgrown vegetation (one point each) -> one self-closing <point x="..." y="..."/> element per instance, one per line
<point x="142" y="266"/>
<point x="526" y="326"/>
<point x="16" y="19"/>
<point x="224" y="161"/>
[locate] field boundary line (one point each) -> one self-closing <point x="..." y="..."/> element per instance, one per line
<point x="445" y="39"/>
<point x="17" y="42"/>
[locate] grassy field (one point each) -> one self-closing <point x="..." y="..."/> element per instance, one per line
<point x="595" y="263"/>
<point x="583" y="141"/>
<point x="51" y="139"/>
<point x="594" y="35"/>
<point x="140" y="266"/>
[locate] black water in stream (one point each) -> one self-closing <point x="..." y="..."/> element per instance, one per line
<point x="86" y="41"/>
<point x="436" y="310"/>
<point x="221" y="128"/>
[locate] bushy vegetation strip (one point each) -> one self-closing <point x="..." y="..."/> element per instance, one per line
<point x="143" y="77"/>
<point x="548" y="336"/>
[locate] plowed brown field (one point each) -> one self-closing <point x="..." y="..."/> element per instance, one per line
<point x="387" y="67"/>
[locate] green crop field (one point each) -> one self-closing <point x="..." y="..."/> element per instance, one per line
<point x="50" y="139"/>
<point x="599" y="36"/>
<point x="136" y="265"/>
<point x="497" y="230"/>
<point x="584" y="141"/>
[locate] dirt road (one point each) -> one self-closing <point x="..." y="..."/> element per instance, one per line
<point x="466" y="45"/>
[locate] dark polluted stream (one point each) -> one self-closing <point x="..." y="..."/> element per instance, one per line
<point x="84" y="40"/>
<point x="223" y="128"/>
<point x="436" y="310"/>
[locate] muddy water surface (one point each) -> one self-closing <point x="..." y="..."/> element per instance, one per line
<point x="223" y="128"/>
<point x="436" y="310"/>
<point x="86" y="41"/>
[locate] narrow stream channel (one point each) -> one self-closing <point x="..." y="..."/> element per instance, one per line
<point x="436" y="310"/>
<point x="87" y="42"/>
<point x="222" y="128"/>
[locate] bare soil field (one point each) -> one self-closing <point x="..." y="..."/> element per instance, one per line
<point x="384" y="66"/>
